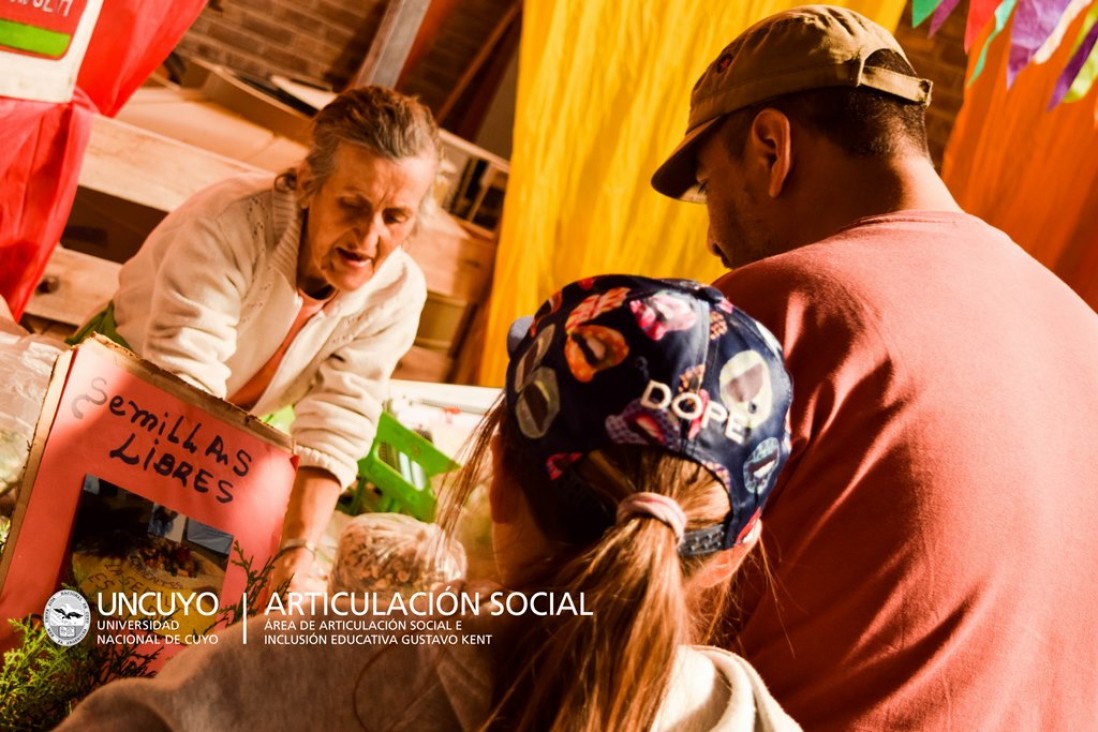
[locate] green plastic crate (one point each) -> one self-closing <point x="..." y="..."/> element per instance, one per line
<point x="381" y="487"/>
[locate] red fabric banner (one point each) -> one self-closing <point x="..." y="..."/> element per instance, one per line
<point x="39" y="166"/>
<point x="43" y="144"/>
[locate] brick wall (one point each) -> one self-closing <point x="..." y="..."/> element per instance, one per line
<point x="321" y="40"/>
<point x="941" y="59"/>
<point x="467" y="28"/>
<point x="326" y="40"/>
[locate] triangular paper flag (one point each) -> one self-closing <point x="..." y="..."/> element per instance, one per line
<point x="1044" y="53"/>
<point x="1088" y="70"/>
<point x="979" y="13"/>
<point x="1034" y="22"/>
<point x="1002" y="14"/>
<point x="921" y="10"/>
<point x="941" y="14"/>
<point x="1090" y="19"/>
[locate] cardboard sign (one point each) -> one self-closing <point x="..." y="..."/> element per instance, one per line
<point x="42" y="44"/>
<point x="136" y="487"/>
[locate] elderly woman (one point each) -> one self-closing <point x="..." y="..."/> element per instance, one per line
<point x="296" y="291"/>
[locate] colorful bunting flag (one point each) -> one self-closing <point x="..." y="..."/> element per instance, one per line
<point x="1078" y="76"/>
<point x="1044" y="53"/>
<point x="1002" y="14"/>
<point x="1037" y="31"/>
<point x="979" y="13"/>
<point x="921" y="10"/>
<point x="1034" y="22"/>
<point x="941" y="14"/>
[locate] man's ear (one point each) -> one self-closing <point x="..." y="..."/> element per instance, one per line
<point x="771" y="140"/>
<point x="504" y="495"/>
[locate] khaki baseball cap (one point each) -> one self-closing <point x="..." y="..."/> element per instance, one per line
<point x="809" y="47"/>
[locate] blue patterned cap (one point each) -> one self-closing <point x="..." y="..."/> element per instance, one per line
<point x="619" y="359"/>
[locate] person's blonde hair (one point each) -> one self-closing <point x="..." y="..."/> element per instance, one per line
<point x="612" y="669"/>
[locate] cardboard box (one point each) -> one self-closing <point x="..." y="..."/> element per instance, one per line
<point x="136" y="488"/>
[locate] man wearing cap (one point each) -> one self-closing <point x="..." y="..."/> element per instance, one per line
<point x="933" y="538"/>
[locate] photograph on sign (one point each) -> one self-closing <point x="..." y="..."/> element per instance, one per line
<point x="127" y="546"/>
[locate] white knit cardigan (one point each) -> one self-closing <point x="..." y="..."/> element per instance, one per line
<point x="212" y="293"/>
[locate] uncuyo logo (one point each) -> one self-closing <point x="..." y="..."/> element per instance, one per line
<point x="67" y="617"/>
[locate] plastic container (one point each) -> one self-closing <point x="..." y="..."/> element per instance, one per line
<point x="26" y="361"/>
<point x="395" y="477"/>
<point x="391" y="553"/>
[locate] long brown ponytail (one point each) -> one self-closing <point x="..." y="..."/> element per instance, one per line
<point x="609" y="670"/>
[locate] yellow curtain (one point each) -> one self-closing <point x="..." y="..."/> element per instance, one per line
<point x="1029" y="170"/>
<point x="603" y="94"/>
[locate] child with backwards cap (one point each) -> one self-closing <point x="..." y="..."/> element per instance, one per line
<point x="643" y="426"/>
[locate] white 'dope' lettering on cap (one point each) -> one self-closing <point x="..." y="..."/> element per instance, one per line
<point x="689" y="405"/>
<point x="746" y="398"/>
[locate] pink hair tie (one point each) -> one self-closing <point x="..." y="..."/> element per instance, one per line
<point x="654" y="505"/>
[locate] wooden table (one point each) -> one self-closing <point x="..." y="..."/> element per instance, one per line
<point x="137" y="165"/>
<point x="74" y="287"/>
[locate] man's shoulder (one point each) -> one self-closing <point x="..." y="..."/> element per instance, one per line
<point x="815" y="292"/>
<point x="865" y="254"/>
<point x="807" y="269"/>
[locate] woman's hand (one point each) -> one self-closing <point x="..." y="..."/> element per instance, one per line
<point x="293" y="568"/>
<point x="312" y="501"/>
